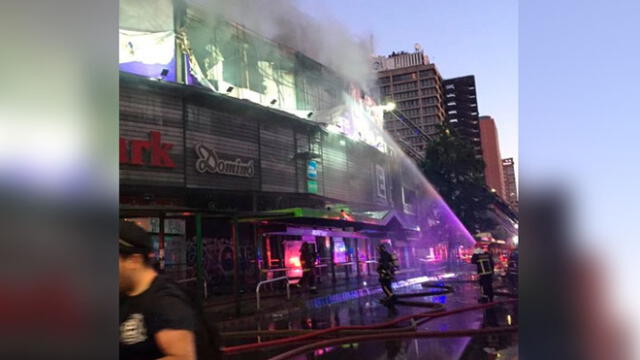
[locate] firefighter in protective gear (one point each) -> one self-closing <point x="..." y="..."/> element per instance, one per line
<point x="484" y="263"/>
<point x="512" y="271"/>
<point x="387" y="266"/>
<point x="308" y="261"/>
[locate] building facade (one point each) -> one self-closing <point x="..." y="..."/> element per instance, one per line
<point x="263" y="177"/>
<point x="510" y="185"/>
<point x="235" y="150"/>
<point x="493" y="172"/>
<point x="414" y="84"/>
<point x="461" y="106"/>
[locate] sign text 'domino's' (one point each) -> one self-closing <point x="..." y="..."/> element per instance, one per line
<point x="209" y="162"/>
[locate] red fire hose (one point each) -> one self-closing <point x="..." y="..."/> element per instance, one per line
<point x="393" y="336"/>
<point x="294" y="339"/>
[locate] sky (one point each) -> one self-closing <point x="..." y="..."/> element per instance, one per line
<point x="461" y="37"/>
<point x="579" y="127"/>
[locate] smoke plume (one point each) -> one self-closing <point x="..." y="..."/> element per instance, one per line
<point x="325" y="41"/>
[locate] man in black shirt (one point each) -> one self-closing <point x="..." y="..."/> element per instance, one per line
<point x="156" y="319"/>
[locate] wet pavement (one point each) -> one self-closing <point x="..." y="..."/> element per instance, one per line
<point x="230" y="310"/>
<point x="362" y="308"/>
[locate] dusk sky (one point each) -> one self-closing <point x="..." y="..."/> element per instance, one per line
<point x="461" y="37"/>
<point x="574" y="65"/>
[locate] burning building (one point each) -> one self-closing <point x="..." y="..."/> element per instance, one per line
<point x="235" y="149"/>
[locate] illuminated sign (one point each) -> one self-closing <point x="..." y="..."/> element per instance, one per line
<point x="209" y="162"/>
<point x="132" y="152"/>
<point x="339" y="250"/>
<point x="312" y="175"/>
<point x="312" y="186"/>
<point x="312" y="169"/>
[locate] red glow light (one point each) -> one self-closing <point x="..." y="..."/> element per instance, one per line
<point x="295" y="261"/>
<point x="346" y="216"/>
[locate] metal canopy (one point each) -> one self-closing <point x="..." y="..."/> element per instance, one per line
<point x="334" y="217"/>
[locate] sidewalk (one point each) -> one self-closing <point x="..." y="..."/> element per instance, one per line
<point x="222" y="310"/>
<point x="224" y="307"/>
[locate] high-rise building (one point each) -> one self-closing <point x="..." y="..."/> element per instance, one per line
<point x="493" y="174"/>
<point x="461" y="106"/>
<point x="510" y="187"/>
<point x="415" y="86"/>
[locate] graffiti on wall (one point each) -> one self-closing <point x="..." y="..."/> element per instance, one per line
<point x="218" y="261"/>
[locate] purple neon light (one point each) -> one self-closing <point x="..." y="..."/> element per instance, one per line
<point x="151" y="70"/>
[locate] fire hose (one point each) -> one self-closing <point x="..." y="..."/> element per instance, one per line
<point x="444" y="289"/>
<point x="505" y="294"/>
<point x="502" y="291"/>
<point x="317" y="333"/>
<point x="394" y="336"/>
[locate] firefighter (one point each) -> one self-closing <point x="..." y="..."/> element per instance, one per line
<point x="482" y="258"/>
<point x="308" y="261"/>
<point x="387" y="266"/>
<point x="512" y="272"/>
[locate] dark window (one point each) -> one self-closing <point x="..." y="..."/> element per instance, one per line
<point x="426" y="73"/>
<point x="427" y="83"/>
<point x="404" y="77"/>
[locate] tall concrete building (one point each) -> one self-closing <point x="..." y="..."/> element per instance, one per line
<point x="493" y="172"/>
<point x="415" y="86"/>
<point x="510" y="187"/>
<point x="461" y="106"/>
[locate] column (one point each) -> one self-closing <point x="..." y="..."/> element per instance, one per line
<point x="199" y="258"/>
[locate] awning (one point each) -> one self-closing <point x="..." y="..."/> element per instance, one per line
<point x="373" y="222"/>
<point x="333" y="217"/>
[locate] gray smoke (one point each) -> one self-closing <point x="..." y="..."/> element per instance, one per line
<point x="326" y="41"/>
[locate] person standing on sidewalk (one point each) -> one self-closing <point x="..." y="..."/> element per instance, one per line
<point x="386" y="273"/>
<point x="484" y="262"/>
<point x="308" y="261"/>
<point x="157" y="319"/>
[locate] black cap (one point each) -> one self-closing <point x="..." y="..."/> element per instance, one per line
<point x="133" y="239"/>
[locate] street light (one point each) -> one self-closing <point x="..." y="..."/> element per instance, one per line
<point x="389" y="106"/>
